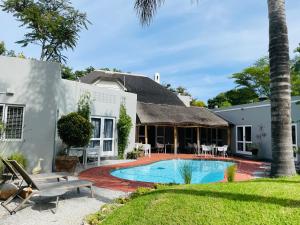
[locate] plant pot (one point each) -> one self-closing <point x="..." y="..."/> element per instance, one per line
<point x="298" y="158"/>
<point x="66" y="163"/>
<point x="254" y="151"/>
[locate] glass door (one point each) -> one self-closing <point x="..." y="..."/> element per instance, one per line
<point x="108" y="136"/>
<point x="243" y="139"/>
<point x="102" y="141"/>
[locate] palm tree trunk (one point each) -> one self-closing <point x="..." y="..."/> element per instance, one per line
<point x="282" y="154"/>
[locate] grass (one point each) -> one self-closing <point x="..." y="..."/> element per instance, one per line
<point x="261" y="201"/>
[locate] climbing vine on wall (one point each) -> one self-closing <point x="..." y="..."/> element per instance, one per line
<point x="124" y="126"/>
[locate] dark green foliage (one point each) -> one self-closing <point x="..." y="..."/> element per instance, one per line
<point x="54" y="25"/>
<point x="230" y="173"/>
<point x="74" y="130"/>
<point x="20" y="158"/>
<point x="255" y="78"/>
<point x="84" y="105"/>
<point x="68" y="73"/>
<point x="135" y="154"/>
<point x="124" y="126"/>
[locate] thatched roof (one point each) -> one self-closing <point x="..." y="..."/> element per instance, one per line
<point x="155" y="114"/>
<point x="147" y="90"/>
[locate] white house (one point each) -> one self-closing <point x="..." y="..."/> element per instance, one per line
<point x="33" y="97"/>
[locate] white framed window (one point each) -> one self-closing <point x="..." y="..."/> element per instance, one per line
<point x="294" y="135"/>
<point x="12" y="116"/>
<point x="243" y="139"/>
<point x="103" y="135"/>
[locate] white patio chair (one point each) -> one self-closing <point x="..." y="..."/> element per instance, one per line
<point x="223" y="150"/>
<point x="147" y="149"/>
<point x="206" y="149"/>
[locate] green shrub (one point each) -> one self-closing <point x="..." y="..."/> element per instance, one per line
<point x="140" y="191"/>
<point x="122" y="200"/>
<point x="20" y="158"/>
<point x="186" y="172"/>
<point x="124" y="126"/>
<point x="230" y="173"/>
<point x="98" y="217"/>
<point x="136" y="153"/>
<point x="74" y="130"/>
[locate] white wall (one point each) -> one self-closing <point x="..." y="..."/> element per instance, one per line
<point x="106" y="103"/>
<point x="38" y="86"/>
<point x="33" y="84"/>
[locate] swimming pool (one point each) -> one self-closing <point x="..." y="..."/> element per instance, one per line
<point x="168" y="171"/>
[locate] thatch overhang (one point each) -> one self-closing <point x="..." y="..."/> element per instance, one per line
<point x="181" y="116"/>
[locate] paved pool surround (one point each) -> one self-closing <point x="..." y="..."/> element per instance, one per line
<point x="102" y="178"/>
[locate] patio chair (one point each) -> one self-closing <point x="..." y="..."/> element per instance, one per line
<point x="206" y="149"/>
<point x="223" y="150"/>
<point x="192" y="147"/>
<point x="36" y="177"/>
<point x="54" y="189"/>
<point x="147" y="149"/>
<point x="160" y="148"/>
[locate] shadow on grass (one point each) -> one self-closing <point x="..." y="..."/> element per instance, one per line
<point x="275" y="181"/>
<point x="291" y="203"/>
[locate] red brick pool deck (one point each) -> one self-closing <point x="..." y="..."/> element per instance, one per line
<point x="102" y="178"/>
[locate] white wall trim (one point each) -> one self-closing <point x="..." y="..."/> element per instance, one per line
<point x="248" y="107"/>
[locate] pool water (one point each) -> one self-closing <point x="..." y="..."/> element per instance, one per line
<point x="204" y="171"/>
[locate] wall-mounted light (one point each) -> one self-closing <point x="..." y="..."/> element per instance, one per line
<point x="8" y="92"/>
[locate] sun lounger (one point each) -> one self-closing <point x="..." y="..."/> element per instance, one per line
<point x="39" y="189"/>
<point x="36" y="177"/>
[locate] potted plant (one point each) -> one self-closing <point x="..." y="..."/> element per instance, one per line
<point x="297" y="153"/>
<point x="253" y="148"/>
<point x="75" y="131"/>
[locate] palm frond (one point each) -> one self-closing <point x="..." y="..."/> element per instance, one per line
<point x="146" y="9"/>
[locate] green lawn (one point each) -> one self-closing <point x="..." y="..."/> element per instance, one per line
<point x="262" y="201"/>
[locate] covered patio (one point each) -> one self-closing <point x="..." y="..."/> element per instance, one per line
<point x="178" y="129"/>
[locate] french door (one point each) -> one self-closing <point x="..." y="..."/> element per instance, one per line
<point x="103" y="136"/>
<point x="243" y="139"/>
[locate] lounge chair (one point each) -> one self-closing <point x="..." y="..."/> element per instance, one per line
<point x="36" y="177"/>
<point x="41" y="189"/>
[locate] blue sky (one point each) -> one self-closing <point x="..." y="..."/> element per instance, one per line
<point x="197" y="46"/>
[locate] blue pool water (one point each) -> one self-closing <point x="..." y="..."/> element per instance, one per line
<point x="204" y="171"/>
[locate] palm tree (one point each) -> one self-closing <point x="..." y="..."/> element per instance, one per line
<point x="283" y="162"/>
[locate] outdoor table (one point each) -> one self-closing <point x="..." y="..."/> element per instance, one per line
<point x="53" y="193"/>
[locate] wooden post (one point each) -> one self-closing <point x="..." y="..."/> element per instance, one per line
<point x="198" y="140"/>
<point x="175" y="140"/>
<point x="137" y="134"/>
<point x="146" y="134"/>
<point x="228" y="136"/>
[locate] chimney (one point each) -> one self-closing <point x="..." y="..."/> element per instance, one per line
<point x="157" y="78"/>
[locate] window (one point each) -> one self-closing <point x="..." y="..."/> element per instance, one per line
<point x="294" y="134"/>
<point x="12" y="117"/>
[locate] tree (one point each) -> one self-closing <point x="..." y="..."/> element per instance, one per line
<point x="74" y="130"/>
<point x="256" y="78"/>
<point x="219" y="101"/>
<point x="68" y="74"/>
<point x="282" y="151"/>
<point x="235" y="96"/>
<point x="280" y="92"/>
<point x="54" y="25"/>
<point x="198" y="103"/>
